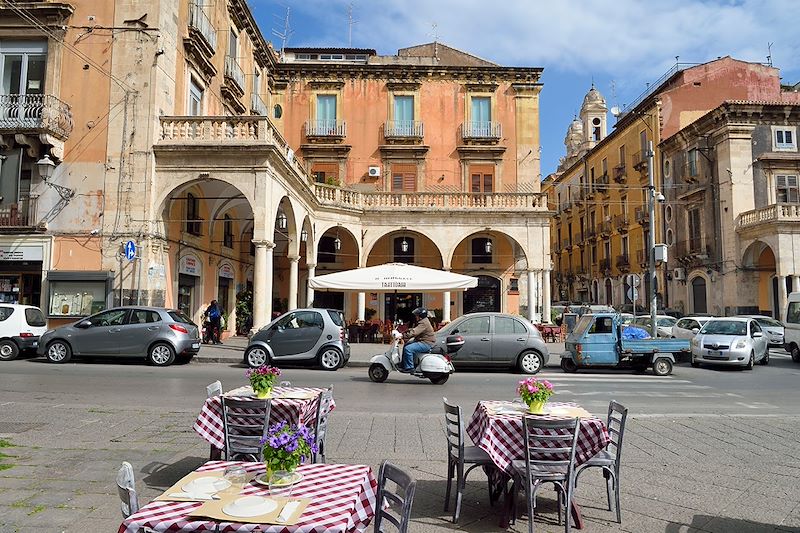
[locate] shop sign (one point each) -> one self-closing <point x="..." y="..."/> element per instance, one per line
<point x="20" y="253"/>
<point x="190" y="265"/>
<point x="226" y="271"/>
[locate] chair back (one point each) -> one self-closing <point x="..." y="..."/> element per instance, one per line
<point x="126" y="487"/>
<point x="324" y="406"/>
<point x="454" y="430"/>
<point x="245" y="423"/>
<point x="617" y="414"/>
<point x="214" y="389"/>
<point x="285" y="383"/>
<point x="394" y="506"/>
<point x="550" y="444"/>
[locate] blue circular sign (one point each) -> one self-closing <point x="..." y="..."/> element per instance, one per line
<point x="130" y="250"/>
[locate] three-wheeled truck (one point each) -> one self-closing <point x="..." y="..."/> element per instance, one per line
<point x="598" y="341"/>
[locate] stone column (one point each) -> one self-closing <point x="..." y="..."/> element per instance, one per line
<point x="362" y="303"/>
<point x="782" y="298"/>
<point x="293" y="264"/>
<point x="309" y="291"/>
<point x="546" y="297"/>
<point x="795" y="283"/>
<point x="262" y="284"/>
<point x="446" y="307"/>
<point x="531" y="295"/>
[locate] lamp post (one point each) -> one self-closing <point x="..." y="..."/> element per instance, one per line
<point x="46" y="167"/>
<point x="651" y="241"/>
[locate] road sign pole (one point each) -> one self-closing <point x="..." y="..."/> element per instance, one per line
<point x="651" y="244"/>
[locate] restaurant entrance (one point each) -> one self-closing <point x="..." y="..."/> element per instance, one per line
<point x="399" y="306"/>
<point x="483" y="298"/>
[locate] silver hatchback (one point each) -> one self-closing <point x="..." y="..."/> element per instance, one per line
<point x="301" y="336"/>
<point x="730" y="341"/>
<point x="497" y="339"/>
<point x="161" y="335"/>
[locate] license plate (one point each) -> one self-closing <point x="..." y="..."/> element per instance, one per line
<point x="715" y="353"/>
<point x="35" y="344"/>
<point x="196" y="345"/>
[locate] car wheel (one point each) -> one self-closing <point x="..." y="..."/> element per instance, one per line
<point x="8" y="350"/>
<point x="378" y="373"/>
<point x="751" y="361"/>
<point x="568" y="365"/>
<point x="795" y="353"/>
<point x="530" y="362"/>
<point x="765" y="360"/>
<point x="161" y="354"/>
<point x="256" y="357"/>
<point x="662" y="367"/>
<point x="330" y="359"/>
<point x="58" y="352"/>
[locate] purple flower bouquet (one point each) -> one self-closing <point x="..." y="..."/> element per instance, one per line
<point x="287" y="446"/>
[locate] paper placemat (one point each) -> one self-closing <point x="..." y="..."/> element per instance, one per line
<point x="177" y="487"/>
<point x="568" y="411"/>
<point x="213" y="509"/>
<point x="297" y="395"/>
<point x="246" y="390"/>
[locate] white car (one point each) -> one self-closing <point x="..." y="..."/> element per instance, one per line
<point x="664" y="324"/>
<point x="20" y="329"/>
<point x="688" y="326"/>
<point x="735" y="341"/>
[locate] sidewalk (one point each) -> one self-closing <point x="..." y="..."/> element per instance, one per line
<point x="232" y="351"/>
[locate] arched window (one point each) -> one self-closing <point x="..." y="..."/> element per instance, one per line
<point x="192" y="214"/>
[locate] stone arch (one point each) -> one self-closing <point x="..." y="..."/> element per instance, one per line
<point x="520" y="254"/>
<point x="427" y="248"/>
<point x="698" y="284"/>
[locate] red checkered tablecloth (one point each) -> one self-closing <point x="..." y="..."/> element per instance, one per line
<point x="501" y="435"/>
<point x="342" y="500"/>
<point x="296" y="411"/>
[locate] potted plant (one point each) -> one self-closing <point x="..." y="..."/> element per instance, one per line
<point x="286" y="447"/>
<point x="262" y="379"/>
<point x="535" y="393"/>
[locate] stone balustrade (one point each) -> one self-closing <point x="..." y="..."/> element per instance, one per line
<point x="771" y="213"/>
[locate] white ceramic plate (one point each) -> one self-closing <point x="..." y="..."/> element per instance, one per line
<point x="206" y="485"/>
<point x="261" y="479"/>
<point x="250" y="506"/>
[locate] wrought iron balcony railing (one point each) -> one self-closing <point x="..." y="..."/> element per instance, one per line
<point x="43" y="113"/>
<point x="257" y="105"/>
<point x="326" y="128"/>
<point x="18" y="215"/>
<point x="234" y="72"/>
<point x="403" y="129"/>
<point x="481" y="130"/>
<point x="199" y="22"/>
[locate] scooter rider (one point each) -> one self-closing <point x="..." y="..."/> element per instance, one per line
<point x="424" y="339"/>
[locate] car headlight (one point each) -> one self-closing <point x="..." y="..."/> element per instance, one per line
<point x="695" y="342"/>
<point x="741" y="344"/>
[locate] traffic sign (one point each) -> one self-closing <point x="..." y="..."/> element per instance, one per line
<point x="130" y="250"/>
<point x="633" y="294"/>
<point x="634" y="280"/>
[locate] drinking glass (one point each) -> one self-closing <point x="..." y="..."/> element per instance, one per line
<point x="280" y="483"/>
<point x="237" y="475"/>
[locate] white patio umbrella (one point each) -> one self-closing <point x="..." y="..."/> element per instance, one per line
<point x="393" y="277"/>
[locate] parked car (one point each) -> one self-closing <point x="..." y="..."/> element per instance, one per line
<point x="497" y="339"/>
<point x="773" y="329"/>
<point x="730" y="341"/>
<point x="315" y="336"/>
<point x="161" y="335"/>
<point x="687" y="327"/>
<point x="20" y="329"/>
<point x="664" y="324"/>
<point x="791" y="333"/>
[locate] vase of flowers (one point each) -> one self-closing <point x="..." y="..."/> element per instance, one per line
<point x="287" y="446"/>
<point x="535" y="393"/>
<point x="262" y="379"/>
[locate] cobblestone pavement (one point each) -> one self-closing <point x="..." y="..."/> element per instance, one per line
<point x="680" y="474"/>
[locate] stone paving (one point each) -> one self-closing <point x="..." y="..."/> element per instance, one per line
<point x="680" y="474"/>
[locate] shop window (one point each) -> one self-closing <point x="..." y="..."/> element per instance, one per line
<point x="76" y="298"/>
<point x="227" y="232"/>
<point x="192" y="214"/>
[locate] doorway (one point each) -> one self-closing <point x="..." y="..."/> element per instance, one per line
<point x="186" y="285"/>
<point x="485" y="297"/>
<point x="398" y="306"/>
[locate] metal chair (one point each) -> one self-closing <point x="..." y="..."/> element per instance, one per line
<point x="609" y="459"/>
<point x="391" y="506"/>
<point x="245" y="423"/>
<point x="285" y="383"/>
<point x="126" y="487"/>
<point x="460" y="455"/>
<point x="549" y="458"/>
<point x="324" y="405"/>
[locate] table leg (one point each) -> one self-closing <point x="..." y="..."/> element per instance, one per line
<point x="215" y="454"/>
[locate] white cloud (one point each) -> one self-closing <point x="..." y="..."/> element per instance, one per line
<point x="625" y="38"/>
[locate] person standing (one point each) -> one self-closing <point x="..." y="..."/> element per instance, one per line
<point x="214" y="316"/>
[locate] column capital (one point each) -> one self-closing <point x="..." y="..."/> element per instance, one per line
<point x="264" y="244"/>
<point x="311" y="265"/>
<point x="293" y="258"/>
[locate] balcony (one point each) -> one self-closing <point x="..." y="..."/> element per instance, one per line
<point x="601" y="185"/>
<point x="623" y="263"/>
<point x="591" y="234"/>
<point x="642" y="216"/>
<point x="201" y="42"/>
<point x="403" y="130"/>
<point x="605" y="265"/>
<point x="605" y="228"/>
<point x="693" y="252"/>
<point x="326" y="129"/>
<point x="640" y="161"/>
<point x="767" y="217"/>
<point x="619" y="173"/>
<point x="642" y="258"/>
<point x="257" y="105"/>
<point x="481" y="131"/>
<point x="19" y="217"/>
<point x="621" y="223"/>
<point x="690" y="172"/>
<point x="35" y="114"/>
<point x="567" y="207"/>
<point x="233" y="85"/>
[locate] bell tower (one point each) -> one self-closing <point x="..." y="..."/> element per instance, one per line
<point x="593" y="117"/>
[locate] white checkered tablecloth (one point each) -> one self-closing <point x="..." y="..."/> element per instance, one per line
<point x="502" y="435"/>
<point x="342" y="500"/>
<point x="295" y="411"/>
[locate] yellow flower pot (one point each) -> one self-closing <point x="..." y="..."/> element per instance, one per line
<point x="537" y="408"/>
<point x="263" y="394"/>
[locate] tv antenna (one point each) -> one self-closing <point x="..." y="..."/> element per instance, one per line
<point x="615" y="110"/>
<point x="769" y="53"/>
<point x="287" y="31"/>
<point x="350" y="22"/>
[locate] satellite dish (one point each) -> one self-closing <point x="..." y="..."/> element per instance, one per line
<point x="615" y="111"/>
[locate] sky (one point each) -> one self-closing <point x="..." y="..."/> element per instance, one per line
<point x="619" y="45"/>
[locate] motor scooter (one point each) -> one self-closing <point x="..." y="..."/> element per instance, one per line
<point x="435" y="365"/>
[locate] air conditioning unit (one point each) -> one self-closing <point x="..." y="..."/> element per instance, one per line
<point x="374" y="172"/>
<point x="679" y="274"/>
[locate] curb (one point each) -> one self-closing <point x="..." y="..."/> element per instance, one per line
<point x="238" y="360"/>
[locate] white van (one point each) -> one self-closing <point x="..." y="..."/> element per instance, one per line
<point x="20" y="329"/>
<point x="791" y="330"/>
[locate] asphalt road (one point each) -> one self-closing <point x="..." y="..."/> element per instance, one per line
<point x="770" y="390"/>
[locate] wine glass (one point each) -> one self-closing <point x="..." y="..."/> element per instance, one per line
<point x="280" y="483"/>
<point x="237" y="475"/>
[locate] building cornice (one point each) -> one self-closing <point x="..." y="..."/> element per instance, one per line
<point x="473" y="75"/>
<point x="243" y="17"/>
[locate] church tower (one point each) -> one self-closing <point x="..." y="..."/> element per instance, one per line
<point x="593" y="117"/>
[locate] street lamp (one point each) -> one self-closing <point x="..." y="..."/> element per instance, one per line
<point x="304" y="235"/>
<point x="337" y="243"/>
<point x="46" y="166"/>
<point x="281" y="220"/>
<point x="488" y="246"/>
<point x="404" y="245"/>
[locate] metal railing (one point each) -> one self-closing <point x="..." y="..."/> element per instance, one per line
<point x="234" y="72"/>
<point x="19" y="215"/>
<point x="651" y="87"/>
<point x="619" y="173"/>
<point x="199" y="21"/>
<point x="640" y="160"/>
<point x="623" y="261"/>
<point x="403" y="128"/>
<point x="326" y="128"/>
<point x="481" y="130"/>
<point x="642" y="215"/>
<point x="621" y="223"/>
<point x="257" y="105"/>
<point x="35" y="112"/>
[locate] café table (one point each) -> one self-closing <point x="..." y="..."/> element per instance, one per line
<point x="342" y="501"/>
<point x="496" y="428"/>
<point x="296" y="405"/>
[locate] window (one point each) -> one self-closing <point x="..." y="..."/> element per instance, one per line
<point x="327" y="250"/>
<point x="596" y="129"/>
<point x="257" y="81"/>
<point x="754" y="328"/>
<point x="76" y="298"/>
<point x="403" y="108"/>
<point x="481" y="110"/>
<point x="480" y="245"/>
<point x="34" y="317"/>
<point x="277" y="111"/>
<point x="624" y="249"/>
<point x="691" y="162"/>
<point x="591" y="175"/>
<point x="786" y="191"/>
<point x="473" y="326"/>
<point x="233" y="44"/>
<point x="695" y="234"/>
<point x="326" y="108"/>
<point x="404" y="178"/>
<point x="300" y="319"/>
<point x="143" y="316"/>
<point x="337" y="317"/>
<point x="227" y="232"/>
<point x="622" y="155"/>
<point x="404" y="249"/>
<point x="643" y="143"/>
<point x="508" y="326"/>
<point x="23" y="65"/>
<point x="793" y="313"/>
<point x="5" y="312"/>
<point x="594" y="254"/>
<point x="604" y="167"/>
<point x="192" y="214"/>
<point x="624" y="201"/>
<point x="115" y="317"/>
<point x="481" y="179"/>
<point x="195" y="107"/>
<point x="602" y="325"/>
<point x="180" y="317"/>
<point x="513" y="286"/>
<point x="784" y="138"/>
<point x="325" y="172"/>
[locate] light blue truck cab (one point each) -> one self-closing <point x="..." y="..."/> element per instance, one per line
<point x="596" y="342"/>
